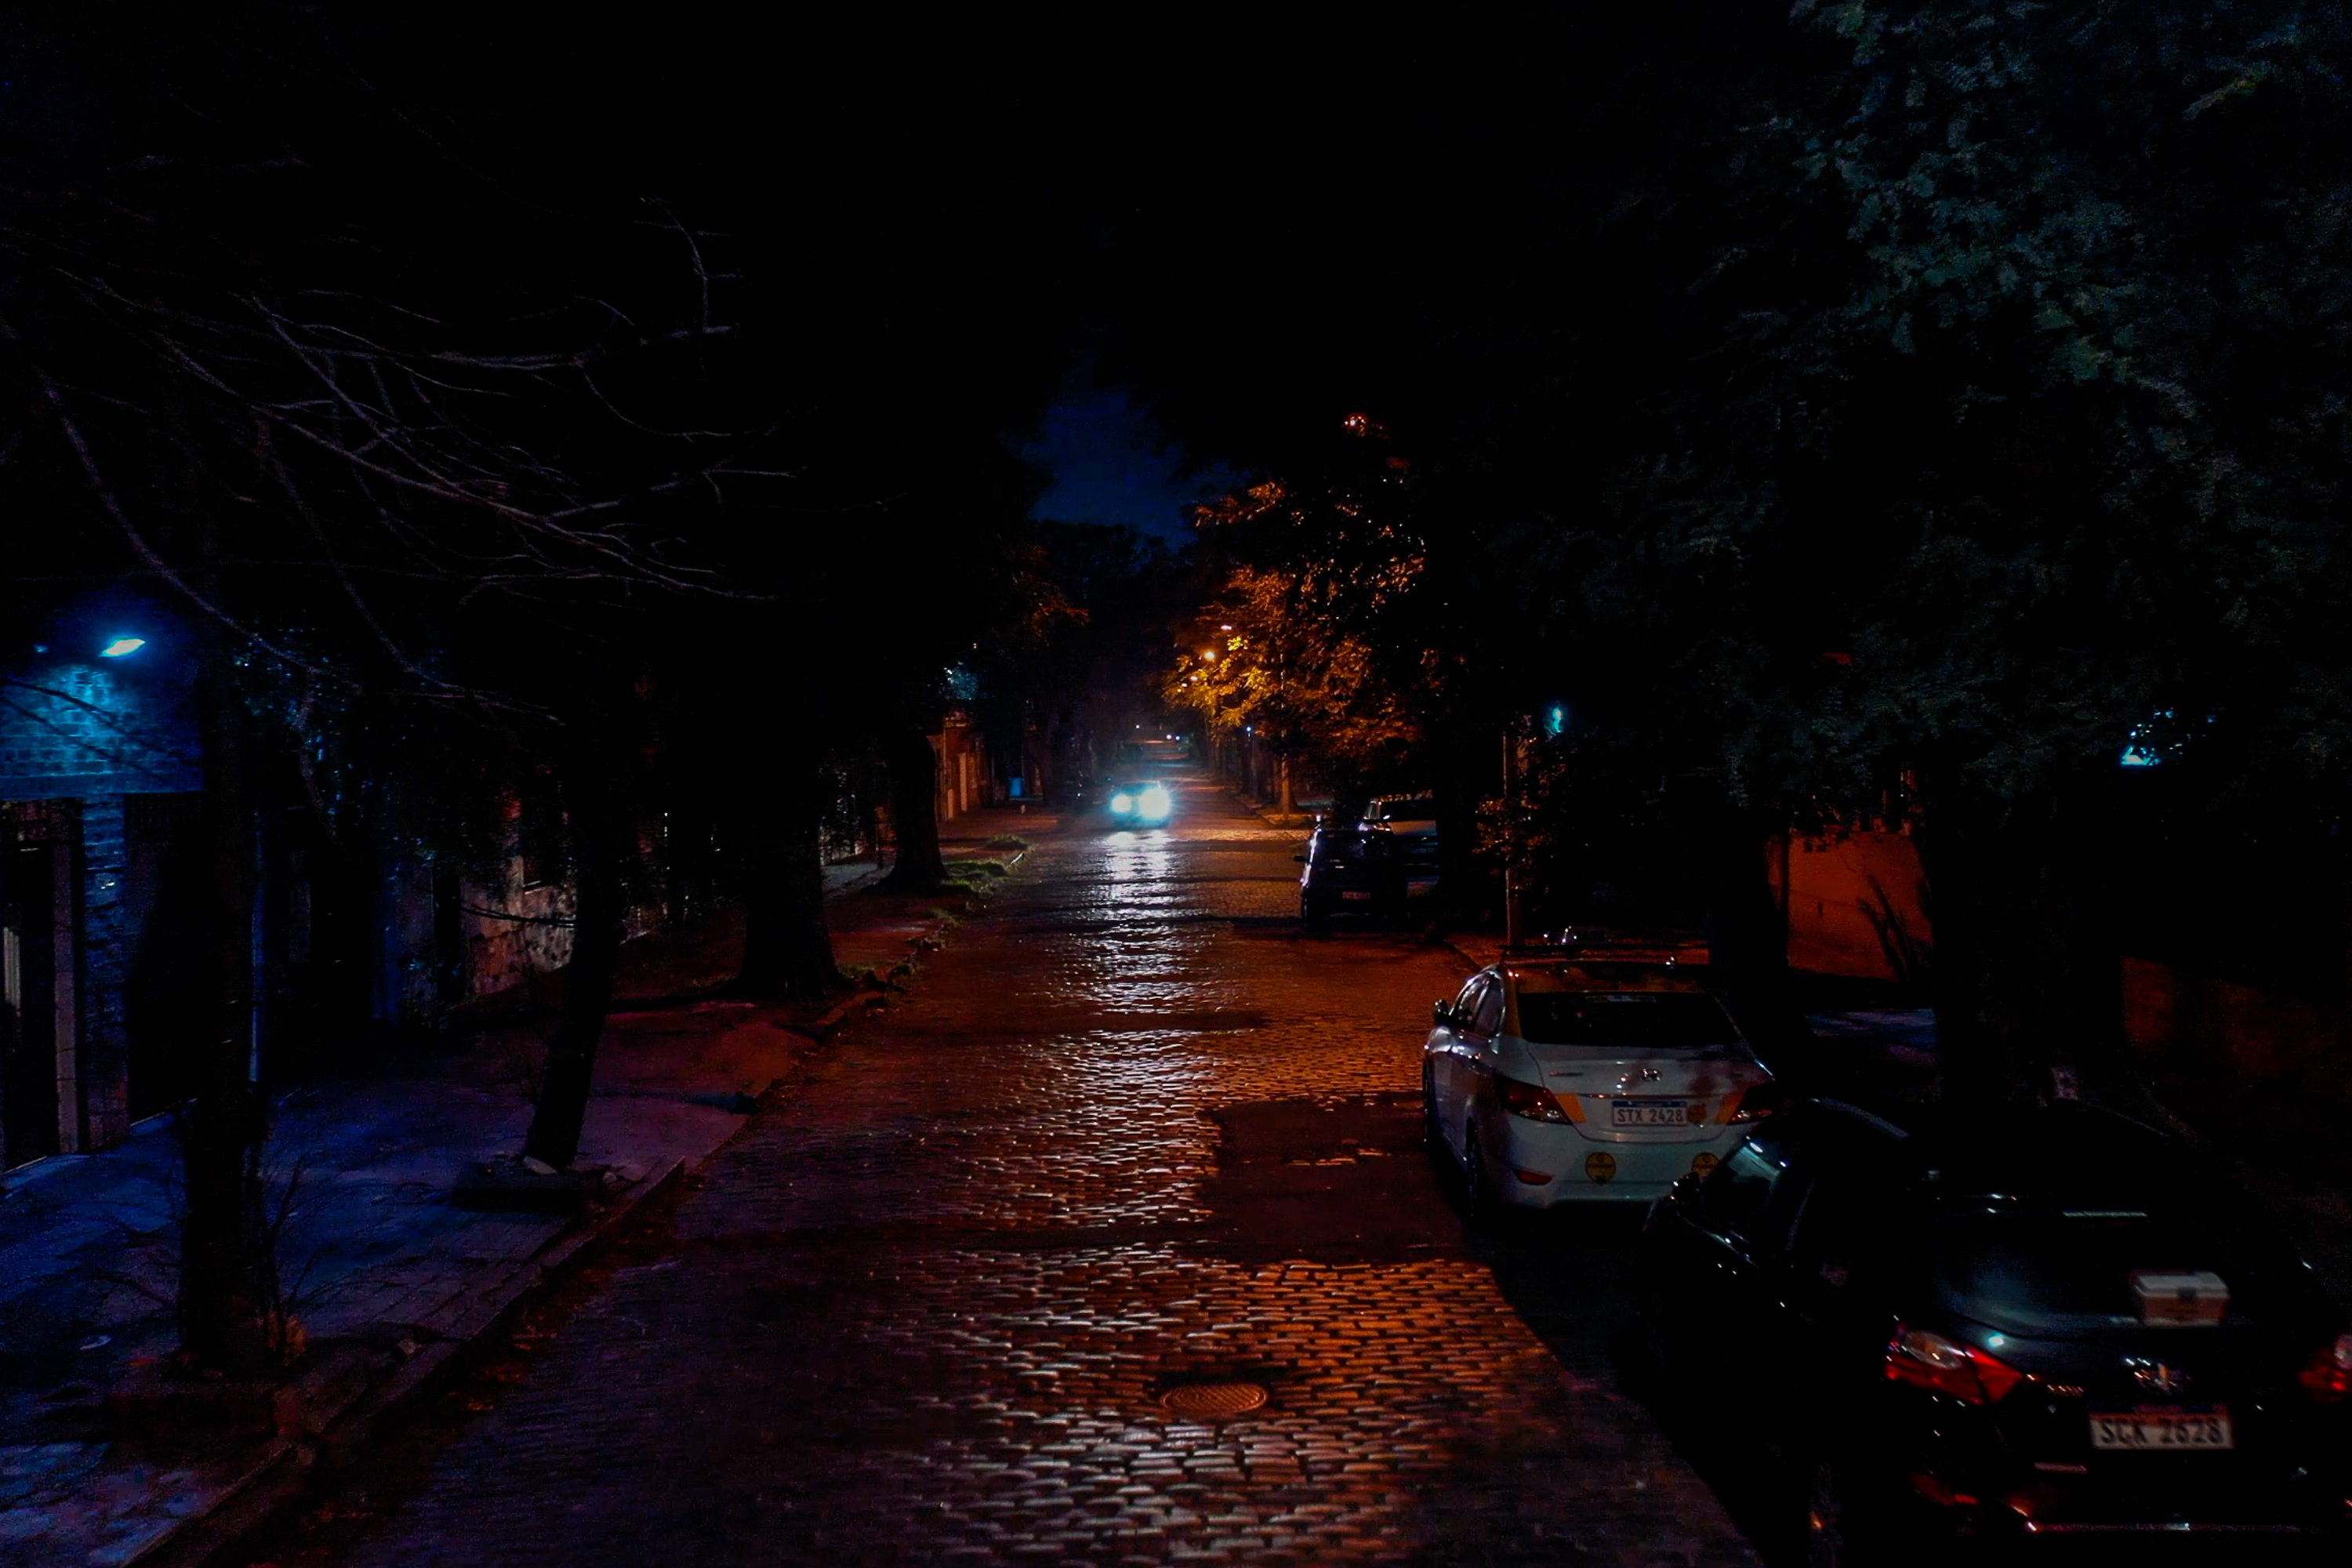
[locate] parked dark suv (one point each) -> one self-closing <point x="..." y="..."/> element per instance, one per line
<point x="1354" y="870"/>
<point x="2047" y="1324"/>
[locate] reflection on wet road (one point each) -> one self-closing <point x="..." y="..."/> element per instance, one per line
<point x="1130" y="1134"/>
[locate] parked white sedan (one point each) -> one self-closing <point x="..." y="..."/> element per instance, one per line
<point x="1597" y="1077"/>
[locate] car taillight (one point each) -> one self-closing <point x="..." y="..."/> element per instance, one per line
<point x="1947" y="1366"/>
<point x="1753" y="1104"/>
<point x="2329" y="1378"/>
<point x="1532" y="1101"/>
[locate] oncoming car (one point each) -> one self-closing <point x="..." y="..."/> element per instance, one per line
<point x="1145" y="803"/>
<point x="1594" y="1076"/>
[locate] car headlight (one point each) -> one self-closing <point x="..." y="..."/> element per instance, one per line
<point x="1155" y="801"/>
<point x="1121" y="803"/>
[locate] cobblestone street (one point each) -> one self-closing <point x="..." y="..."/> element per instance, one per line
<point x="1130" y="1133"/>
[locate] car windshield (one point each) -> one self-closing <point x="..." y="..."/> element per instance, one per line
<point x="1420" y="810"/>
<point x="1638" y="1020"/>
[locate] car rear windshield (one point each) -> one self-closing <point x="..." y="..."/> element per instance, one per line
<point x="1641" y="1020"/>
<point x="1408" y="811"/>
<point x="2045" y="1266"/>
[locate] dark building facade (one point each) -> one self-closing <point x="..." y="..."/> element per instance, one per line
<point x="99" y="794"/>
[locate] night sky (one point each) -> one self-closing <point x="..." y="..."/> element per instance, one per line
<point x="1111" y="463"/>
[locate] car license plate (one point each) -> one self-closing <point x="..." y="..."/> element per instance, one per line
<point x="1355" y="893"/>
<point x="1649" y="1114"/>
<point x="2163" y="1430"/>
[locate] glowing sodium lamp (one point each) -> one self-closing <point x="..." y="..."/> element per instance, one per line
<point x="121" y="647"/>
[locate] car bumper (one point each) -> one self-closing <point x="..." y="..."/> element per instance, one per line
<point x="2296" y="1489"/>
<point x="1547" y="1164"/>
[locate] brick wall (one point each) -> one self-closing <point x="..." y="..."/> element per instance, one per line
<point x="1856" y="904"/>
<point x="93" y="734"/>
<point x="73" y="731"/>
<point x="2257" y="1035"/>
<point x="106" y="941"/>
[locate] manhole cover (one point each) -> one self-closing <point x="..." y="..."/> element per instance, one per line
<point x="1213" y="1401"/>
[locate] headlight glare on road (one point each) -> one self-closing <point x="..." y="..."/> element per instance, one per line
<point x="1121" y="803"/>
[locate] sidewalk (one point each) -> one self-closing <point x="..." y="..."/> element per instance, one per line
<point x="1307" y="815"/>
<point x="389" y="1279"/>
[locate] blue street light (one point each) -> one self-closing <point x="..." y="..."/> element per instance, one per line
<point x="121" y="647"/>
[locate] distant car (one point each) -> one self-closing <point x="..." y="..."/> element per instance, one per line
<point x="2053" y="1323"/>
<point x="1595" y="1076"/>
<point x="1347" y="871"/>
<point x="1139" y="803"/>
<point x="1410" y="823"/>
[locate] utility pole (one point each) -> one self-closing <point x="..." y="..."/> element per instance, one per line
<point x="1510" y="836"/>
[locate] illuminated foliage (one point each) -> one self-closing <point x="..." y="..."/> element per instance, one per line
<point x="1300" y="642"/>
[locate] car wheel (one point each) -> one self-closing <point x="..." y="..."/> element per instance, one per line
<point x="1314" y="914"/>
<point x="1477" y="1188"/>
<point x="1657" y="1344"/>
<point x="1838" y="1532"/>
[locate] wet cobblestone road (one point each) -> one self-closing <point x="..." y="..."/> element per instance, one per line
<point x="1130" y="1132"/>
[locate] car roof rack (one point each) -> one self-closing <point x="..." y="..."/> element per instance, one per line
<point x="1616" y="947"/>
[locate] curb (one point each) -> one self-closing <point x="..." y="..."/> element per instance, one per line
<point x="1267" y="814"/>
<point x="283" y="1473"/>
<point x="1463" y="954"/>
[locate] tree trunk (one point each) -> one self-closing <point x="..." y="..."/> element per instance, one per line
<point x="2028" y="981"/>
<point x="787" y="948"/>
<point x="590" y="797"/>
<point x="1750" y="946"/>
<point x="914" y="813"/>
<point x="1464" y="774"/>
<point x="223" y="1297"/>
<point x="1288" y="807"/>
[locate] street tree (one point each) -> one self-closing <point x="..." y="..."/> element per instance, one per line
<point x="371" y="446"/>
<point x="2025" y="439"/>
<point x="1309" y="637"/>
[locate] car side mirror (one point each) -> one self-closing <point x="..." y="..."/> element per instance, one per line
<point x="1300" y="858"/>
<point x="1441" y="1015"/>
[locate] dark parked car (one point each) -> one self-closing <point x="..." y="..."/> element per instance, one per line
<point x="1410" y="823"/>
<point x="2051" y="1324"/>
<point x="1353" y="869"/>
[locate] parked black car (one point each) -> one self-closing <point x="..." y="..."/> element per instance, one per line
<point x="2046" y="1323"/>
<point x="1354" y="870"/>
<point x="1409" y="822"/>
